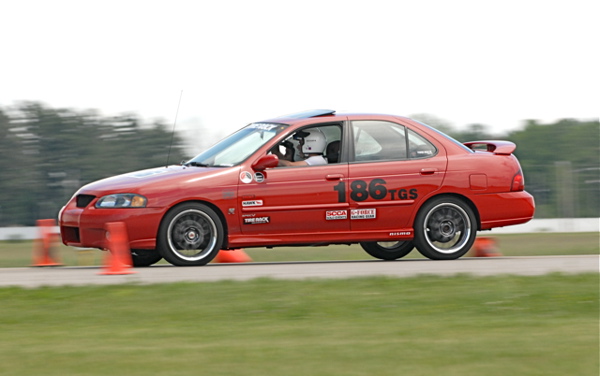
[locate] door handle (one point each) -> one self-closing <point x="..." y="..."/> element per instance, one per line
<point x="334" y="177"/>
<point x="428" y="171"/>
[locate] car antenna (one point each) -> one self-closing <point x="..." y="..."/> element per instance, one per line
<point x="173" y="132"/>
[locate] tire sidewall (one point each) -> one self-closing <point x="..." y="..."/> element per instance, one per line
<point x="163" y="236"/>
<point x="421" y="241"/>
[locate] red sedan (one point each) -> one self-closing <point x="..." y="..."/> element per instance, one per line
<point x="314" y="178"/>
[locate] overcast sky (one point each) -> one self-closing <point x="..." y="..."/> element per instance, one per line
<point x="464" y="61"/>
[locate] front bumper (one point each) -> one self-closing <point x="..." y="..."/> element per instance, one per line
<point x="85" y="227"/>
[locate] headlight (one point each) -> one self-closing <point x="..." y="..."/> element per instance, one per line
<point x="123" y="200"/>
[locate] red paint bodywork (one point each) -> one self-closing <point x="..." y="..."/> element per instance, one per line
<point x="296" y="199"/>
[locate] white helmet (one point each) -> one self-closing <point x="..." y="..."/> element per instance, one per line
<point x="315" y="142"/>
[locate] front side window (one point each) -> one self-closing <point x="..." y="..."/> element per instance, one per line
<point x="322" y="140"/>
<point x="236" y="148"/>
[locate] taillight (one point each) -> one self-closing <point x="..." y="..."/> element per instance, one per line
<point x="518" y="182"/>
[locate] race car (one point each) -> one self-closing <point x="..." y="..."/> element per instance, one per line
<point x="387" y="182"/>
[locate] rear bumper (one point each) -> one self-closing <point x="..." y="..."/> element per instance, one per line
<point x="504" y="209"/>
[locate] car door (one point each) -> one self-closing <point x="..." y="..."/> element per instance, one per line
<point x="393" y="168"/>
<point x="295" y="200"/>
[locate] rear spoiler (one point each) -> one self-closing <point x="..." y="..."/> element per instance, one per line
<point x="492" y="146"/>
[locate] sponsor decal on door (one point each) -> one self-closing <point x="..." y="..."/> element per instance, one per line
<point x="363" y="213"/>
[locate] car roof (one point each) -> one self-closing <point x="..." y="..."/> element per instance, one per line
<point x="326" y="113"/>
<point x="290" y="118"/>
<point x="309" y="114"/>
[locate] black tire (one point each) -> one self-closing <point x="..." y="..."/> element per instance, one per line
<point x="145" y="257"/>
<point x="388" y="250"/>
<point x="190" y="235"/>
<point x="445" y="229"/>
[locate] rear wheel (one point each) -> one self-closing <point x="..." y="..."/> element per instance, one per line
<point x="388" y="250"/>
<point x="190" y="235"/>
<point x="445" y="229"/>
<point x="145" y="257"/>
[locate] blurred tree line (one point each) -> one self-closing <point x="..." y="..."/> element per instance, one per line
<point x="560" y="161"/>
<point x="46" y="154"/>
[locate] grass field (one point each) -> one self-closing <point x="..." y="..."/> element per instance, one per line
<point x="546" y="325"/>
<point x="508" y="325"/>
<point x="19" y="253"/>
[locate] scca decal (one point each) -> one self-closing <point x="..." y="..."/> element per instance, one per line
<point x="336" y="214"/>
<point x="376" y="189"/>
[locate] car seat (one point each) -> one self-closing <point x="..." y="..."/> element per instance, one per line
<point x="332" y="152"/>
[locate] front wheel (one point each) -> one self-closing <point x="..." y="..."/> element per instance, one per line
<point x="445" y="229"/>
<point x="190" y="235"/>
<point x="388" y="250"/>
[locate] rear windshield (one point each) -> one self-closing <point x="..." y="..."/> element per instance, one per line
<point x="446" y="136"/>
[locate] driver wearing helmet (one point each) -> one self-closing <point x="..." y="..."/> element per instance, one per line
<point x="312" y="145"/>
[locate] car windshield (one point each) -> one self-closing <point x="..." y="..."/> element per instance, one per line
<point x="237" y="147"/>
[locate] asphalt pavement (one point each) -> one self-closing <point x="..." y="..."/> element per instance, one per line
<point x="34" y="277"/>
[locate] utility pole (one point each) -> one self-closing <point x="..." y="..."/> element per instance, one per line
<point x="565" y="189"/>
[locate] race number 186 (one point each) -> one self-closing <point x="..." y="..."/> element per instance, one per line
<point x="360" y="190"/>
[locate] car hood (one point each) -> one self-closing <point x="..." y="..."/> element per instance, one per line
<point x="151" y="179"/>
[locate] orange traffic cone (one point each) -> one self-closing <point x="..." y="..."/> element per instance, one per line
<point x="486" y="247"/>
<point x="231" y="256"/>
<point x="44" y="246"/>
<point x="118" y="257"/>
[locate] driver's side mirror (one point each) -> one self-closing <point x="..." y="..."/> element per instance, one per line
<point x="267" y="161"/>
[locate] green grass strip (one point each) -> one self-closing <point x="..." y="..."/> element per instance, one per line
<point x="508" y="325"/>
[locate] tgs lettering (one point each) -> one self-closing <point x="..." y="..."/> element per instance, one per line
<point x="360" y="190"/>
<point x="404" y="194"/>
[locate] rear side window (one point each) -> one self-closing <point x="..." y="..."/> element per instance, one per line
<point x="382" y="140"/>
<point x="419" y="147"/>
